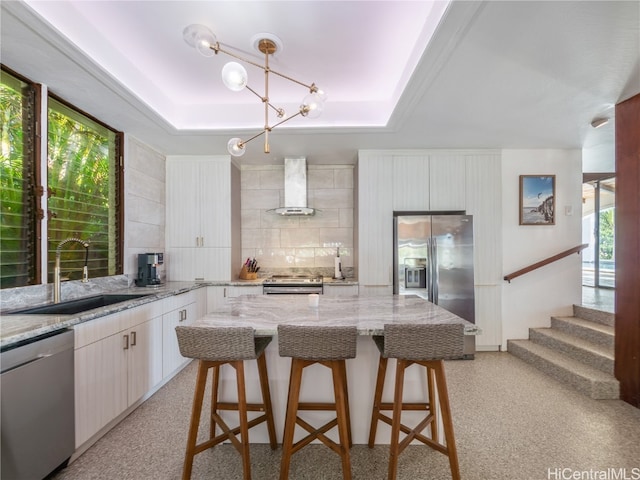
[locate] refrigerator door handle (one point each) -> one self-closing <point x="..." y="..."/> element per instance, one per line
<point x="429" y="272"/>
<point x="434" y="260"/>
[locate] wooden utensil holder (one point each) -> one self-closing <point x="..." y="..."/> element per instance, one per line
<point x="247" y="275"/>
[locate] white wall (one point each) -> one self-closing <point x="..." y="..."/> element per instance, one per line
<point x="530" y="300"/>
<point x="144" y="179"/>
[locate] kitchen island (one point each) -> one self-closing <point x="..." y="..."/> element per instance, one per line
<point x="368" y="314"/>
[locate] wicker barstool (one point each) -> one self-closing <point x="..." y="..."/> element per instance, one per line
<point x="425" y="345"/>
<point x="328" y="346"/>
<point x="214" y="347"/>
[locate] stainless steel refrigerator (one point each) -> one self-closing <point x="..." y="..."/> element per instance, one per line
<point x="433" y="258"/>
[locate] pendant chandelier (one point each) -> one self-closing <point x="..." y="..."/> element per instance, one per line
<point x="235" y="77"/>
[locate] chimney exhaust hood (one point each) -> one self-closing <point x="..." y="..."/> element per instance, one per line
<point x="295" y="188"/>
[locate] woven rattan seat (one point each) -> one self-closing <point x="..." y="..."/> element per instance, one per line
<point x="214" y="347"/>
<point x="426" y="345"/>
<point x="331" y="347"/>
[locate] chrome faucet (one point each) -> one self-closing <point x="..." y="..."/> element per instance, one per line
<point x="56" y="270"/>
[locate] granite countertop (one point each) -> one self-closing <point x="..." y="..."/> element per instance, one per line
<point x="15" y="328"/>
<point x="369" y="314"/>
<point x="260" y="281"/>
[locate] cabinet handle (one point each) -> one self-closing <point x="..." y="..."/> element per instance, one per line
<point x="133" y="339"/>
<point x="183" y="315"/>
<point x="126" y="342"/>
<point x="202" y="241"/>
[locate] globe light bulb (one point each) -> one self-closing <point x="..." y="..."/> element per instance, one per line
<point x="235" y="147"/>
<point x="201" y="38"/>
<point x="234" y="76"/>
<point x="322" y="95"/>
<point x="312" y="106"/>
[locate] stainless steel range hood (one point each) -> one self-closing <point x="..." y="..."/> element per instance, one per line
<point x="295" y="188"/>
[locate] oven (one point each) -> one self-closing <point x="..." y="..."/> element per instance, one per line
<point x="292" y="284"/>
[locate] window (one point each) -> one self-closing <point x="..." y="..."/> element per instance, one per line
<point x="18" y="207"/>
<point x="83" y="186"/>
<point x="83" y="190"/>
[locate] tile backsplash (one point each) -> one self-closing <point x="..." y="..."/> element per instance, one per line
<point x="298" y="244"/>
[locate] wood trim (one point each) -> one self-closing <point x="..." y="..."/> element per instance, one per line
<point x="592" y="177"/>
<point x="627" y="244"/>
<point x="544" y="262"/>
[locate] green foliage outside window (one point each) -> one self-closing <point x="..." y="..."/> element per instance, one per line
<point x="607" y="228"/>
<point x="17" y="169"/>
<point x="81" y="189"/>
<point x="81" y="160"/>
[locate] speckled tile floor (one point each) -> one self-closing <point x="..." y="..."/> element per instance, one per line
<point x="600" y="298"/>
<point x="511" y="422"/>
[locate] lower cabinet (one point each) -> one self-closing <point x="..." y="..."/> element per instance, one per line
<point x="216" y="297"/>
<point x="340" y="290"/>
<point x="238" y="290"/>
<point x="179" y="310"/>
<point x="118" y="359"/>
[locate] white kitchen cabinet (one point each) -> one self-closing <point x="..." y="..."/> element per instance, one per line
<point x="411" y="182"/>
<point x="118" y="359"/>
<point x="447" y="182"/>
<point x="339" y="290"/>
<point x="237" y="290"/>
<point x="203" y="215"/>
<point x="216" y="297"/>
<point x="178" y="310"/>
<point x="100" y="384"/>
<point x="428" y="181"/>
<point x="375" y="223"/>
<point x="484" y="202"/>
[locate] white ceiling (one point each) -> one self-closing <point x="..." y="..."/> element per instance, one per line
<point x="494" y="75"/>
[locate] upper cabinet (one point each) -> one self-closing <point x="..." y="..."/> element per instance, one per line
<point x="428" y="181"/>
<point x="447" y="182"/>
<point x="203" y="215"/>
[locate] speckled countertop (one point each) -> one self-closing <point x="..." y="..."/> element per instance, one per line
<point x="15" y="328"/>
<point x="368" y="314"/>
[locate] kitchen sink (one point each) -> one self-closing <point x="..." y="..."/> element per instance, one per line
<point x="80" y="305"/>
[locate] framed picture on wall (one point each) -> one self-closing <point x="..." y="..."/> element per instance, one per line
<point x="537" y="199"/>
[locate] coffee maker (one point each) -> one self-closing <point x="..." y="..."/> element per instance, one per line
<point x="149" y="269"/>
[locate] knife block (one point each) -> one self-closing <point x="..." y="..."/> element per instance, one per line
<point x="246" y="275"/>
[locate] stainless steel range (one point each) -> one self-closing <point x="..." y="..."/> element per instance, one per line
<point x="292" y="284"/>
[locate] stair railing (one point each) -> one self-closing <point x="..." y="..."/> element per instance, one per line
<point x="544" y="262"/>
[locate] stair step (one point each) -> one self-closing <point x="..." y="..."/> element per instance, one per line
<point x="598" y="316"/>
<point x="584" y="351"/>
<point x="593" y="332"/>
<point x="588" y="380"/>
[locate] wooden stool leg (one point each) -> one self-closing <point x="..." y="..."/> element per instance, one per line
<point x="242" y="413"/>
<point x="342" y="412"/>
<point x="214" y="400"/>
<point x="201" y="382"/>
<point x="394" y="450"/>
<point x="432" y="403"/>
<point x="266" y="400"/>
<point x="290" y="421"/>
<point x="377" y="400"/>
<point x="343" y="371"/>
<point x="443" y="397"/>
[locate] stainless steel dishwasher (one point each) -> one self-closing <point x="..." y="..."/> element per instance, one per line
<point x="37" y="394"/>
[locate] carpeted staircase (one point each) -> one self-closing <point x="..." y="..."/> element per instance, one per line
<point x="577" y="350"/>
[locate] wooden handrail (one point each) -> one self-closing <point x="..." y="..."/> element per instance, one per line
<point x="546" y="261"/>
